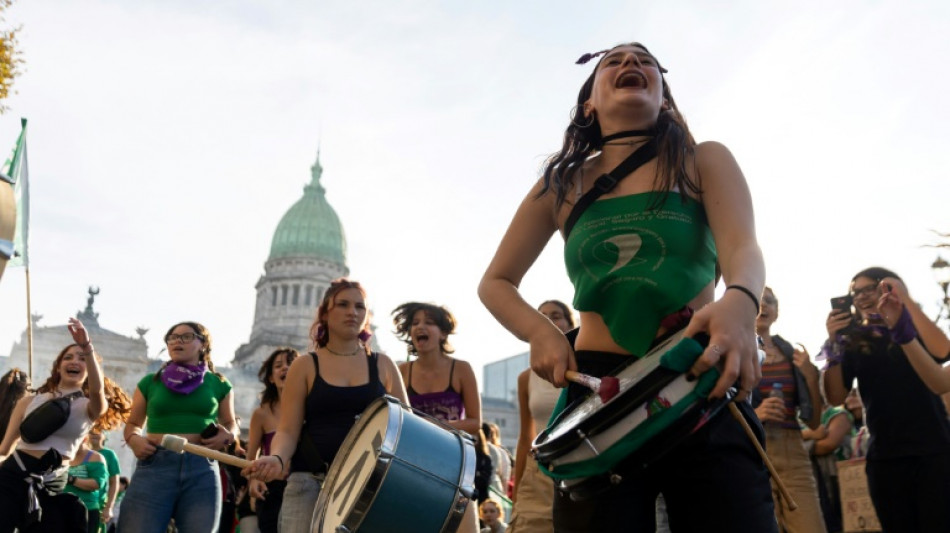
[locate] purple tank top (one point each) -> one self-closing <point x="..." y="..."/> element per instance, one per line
<point x="446" y="405"/>
<point x="266" y="439"/>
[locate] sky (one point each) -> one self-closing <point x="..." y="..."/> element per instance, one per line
<point x="168" y="138"/>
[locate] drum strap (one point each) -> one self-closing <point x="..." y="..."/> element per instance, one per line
<point x="607" y="182"/>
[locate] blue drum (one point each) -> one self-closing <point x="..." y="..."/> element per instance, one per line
<point x="397" y="471"/>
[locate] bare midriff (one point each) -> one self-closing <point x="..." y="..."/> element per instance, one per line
<point x="156" y="438"/>
<point x="593" y="334"/>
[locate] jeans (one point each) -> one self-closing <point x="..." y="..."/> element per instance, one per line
<point x="168" y="485"/>
<point x="300" y="500"/>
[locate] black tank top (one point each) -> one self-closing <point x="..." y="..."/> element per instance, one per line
<point x="330" y="411"/>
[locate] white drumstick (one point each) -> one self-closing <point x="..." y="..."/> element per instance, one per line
<point x="180" y="445"/>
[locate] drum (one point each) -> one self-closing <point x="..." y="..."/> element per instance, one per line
<point x="7" y="223"/>
<point x="398" y="470"/>
<point x="655" y="408"/>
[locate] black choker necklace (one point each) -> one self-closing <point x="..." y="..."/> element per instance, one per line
<point x="354" y="352"/>
<point x="629" y="133"/>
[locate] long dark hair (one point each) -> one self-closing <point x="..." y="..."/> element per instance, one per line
<point x="13" y="386"/>
<point x="271" y="395"/>
<point x="402" y="319"/>
<point x="675" y="147"/>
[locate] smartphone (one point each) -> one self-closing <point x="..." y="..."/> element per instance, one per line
<point x="209" y="431"/>
<point x="842" y="303"/>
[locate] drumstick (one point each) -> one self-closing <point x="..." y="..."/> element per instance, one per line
<point x="606" y="387"/>
<point x="180" y="445"/>
<point x="765" y="458"/>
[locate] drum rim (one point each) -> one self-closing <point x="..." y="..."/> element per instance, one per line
<point x="464" y="492"/>
<point x="631" y="399"/>
<point x="621" y="405"/>
<point x="375" y="480"/>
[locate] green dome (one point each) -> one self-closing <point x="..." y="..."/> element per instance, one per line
<point x="311" y="227"/>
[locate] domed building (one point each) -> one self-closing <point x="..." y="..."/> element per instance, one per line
<point x="307" y="252"/>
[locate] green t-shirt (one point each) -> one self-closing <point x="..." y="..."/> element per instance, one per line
<point x="112" y="468"/>
<point x="89" y="470"/>
<point x="171" y="412"/>
<point x="843" y="452"/>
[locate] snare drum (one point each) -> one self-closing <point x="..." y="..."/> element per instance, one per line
<point x="398" y="470"/>
<point x="655" y="408"/>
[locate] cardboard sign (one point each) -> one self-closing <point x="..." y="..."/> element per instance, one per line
<point x="858" y="512"/>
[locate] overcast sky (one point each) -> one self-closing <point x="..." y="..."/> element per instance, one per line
<point x="167" y="138"/>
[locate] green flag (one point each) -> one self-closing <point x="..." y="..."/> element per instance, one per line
<point x="15" y="170"/>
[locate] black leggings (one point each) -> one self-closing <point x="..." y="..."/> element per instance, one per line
<point x="713" y="481"/>
<point x="911" y="494"/>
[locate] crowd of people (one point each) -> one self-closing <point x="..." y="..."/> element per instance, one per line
<point x="652" y="222"/>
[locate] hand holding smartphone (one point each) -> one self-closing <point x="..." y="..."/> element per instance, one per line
<point x="842" y="304"/>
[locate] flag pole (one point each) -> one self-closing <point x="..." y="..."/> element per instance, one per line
<point x="29" y="326"/>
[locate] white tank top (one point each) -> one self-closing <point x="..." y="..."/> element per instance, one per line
<point x="542" y="396"/>
<point x="67" y="438"/>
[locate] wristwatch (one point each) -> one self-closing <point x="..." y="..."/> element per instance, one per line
<point x="70" y="480"/>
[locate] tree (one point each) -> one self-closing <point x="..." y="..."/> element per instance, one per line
<point x="10" y="60"/>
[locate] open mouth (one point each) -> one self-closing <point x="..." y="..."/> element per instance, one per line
<point x="632" y="79"/>
<point x="73" y="371"/>
<point x="422" y="337"/>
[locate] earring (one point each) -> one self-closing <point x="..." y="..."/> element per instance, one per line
<point x="590" y="118"/>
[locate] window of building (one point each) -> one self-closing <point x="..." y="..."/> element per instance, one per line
<point x="296" y="297"/>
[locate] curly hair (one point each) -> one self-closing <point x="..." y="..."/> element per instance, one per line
<point x="402" y="319"/>
<point x="271" y="395"/>
<point x="118" y="407"/>
<point x="675" y="146"/>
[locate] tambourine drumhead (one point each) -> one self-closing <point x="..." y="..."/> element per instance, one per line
<point x="356" y="468"/>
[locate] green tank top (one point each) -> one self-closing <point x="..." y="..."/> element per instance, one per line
<point x="170" y="412"/>
<point x="634" y="265"/>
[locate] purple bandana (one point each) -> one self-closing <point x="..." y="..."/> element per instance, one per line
<point x="183" y="378"/>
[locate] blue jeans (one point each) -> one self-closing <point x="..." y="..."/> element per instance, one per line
<point x="300" y="500"/>
<point x="169" y="485"/>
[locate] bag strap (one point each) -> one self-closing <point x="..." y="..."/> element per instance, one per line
<point x="608" y="181"/>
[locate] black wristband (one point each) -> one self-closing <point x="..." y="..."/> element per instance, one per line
<point x="70" y="480"/>
<point x="750" y="294"/>
<point x="281" y="462"/>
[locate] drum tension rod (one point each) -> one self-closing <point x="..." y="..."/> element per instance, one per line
<point x="587" y="441"/>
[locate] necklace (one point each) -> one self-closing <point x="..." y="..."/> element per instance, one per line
<point x="354" y="352"/>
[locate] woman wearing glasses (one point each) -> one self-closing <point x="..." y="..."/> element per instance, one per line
<point x="186" y="397"/>
<point x="880" y="345"/>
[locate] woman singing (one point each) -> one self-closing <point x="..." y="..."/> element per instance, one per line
<point x="76" y="375"/>
<point x="437" y="383"/>
<point x="642" y="258"/>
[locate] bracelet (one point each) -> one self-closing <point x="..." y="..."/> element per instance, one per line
<point x="127" y="439"/>
<point x="281" y="461"/>
<point x="70" y="480"/>
<point x="750" y="294"/>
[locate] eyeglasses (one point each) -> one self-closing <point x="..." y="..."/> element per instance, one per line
<point x="184" y="337"/>
<point x="869" y="290"/>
